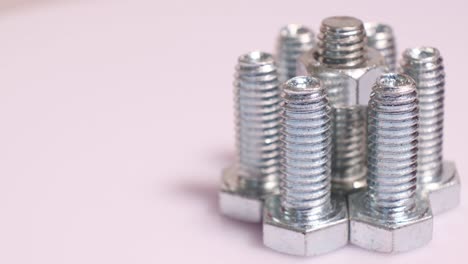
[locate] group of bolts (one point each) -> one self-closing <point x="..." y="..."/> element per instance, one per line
<point x="337" y="144"/>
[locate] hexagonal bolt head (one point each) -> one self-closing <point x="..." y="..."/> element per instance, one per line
<point x="239" y="202"/>
<point x="376" y="232"/>
<point x="361" y="78"/>
<point x="444" y="194"/>
<point x="318" y="237"/>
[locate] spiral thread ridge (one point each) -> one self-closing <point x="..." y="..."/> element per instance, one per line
<point x="349" y="146"/>
<point x="305" y="164"/>
<point x="381" y="38"/>
<point x="425" y="66"/>
<point x="294" y="40"/>
<point x="342" y="42"/>
<point x="393" y="144"/>
<point x="257" y="98"/>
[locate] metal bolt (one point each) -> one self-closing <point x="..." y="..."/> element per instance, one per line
<point x="255" y="174"/>
<point x="294" y="40"/>
<point x="380" y="37"/>
<point x="304" y="220"/>
<point x="391" y="216"/>
<point x="347" y="68"/>
<point x="439" y="178"/>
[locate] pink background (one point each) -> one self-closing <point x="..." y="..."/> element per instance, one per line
<point x="117" y="119"/>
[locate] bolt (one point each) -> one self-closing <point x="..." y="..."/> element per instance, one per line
<point x="294" y="40"/>
<point x="391" y="216"/>
<point x="255" y="174"/>
<point x="380" y="37"/>
<point x="436" y="177"/>
<point x="304" y="220"/>
<point x="347" y="68"/>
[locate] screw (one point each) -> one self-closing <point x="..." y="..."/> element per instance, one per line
<point x="294" y="40"/>
<point x="380" y="37"/>
<point x="390" y="216"/>
<point x="303" y="219"/>
<point x="425" y="66"/>
<point x="347" y="68"/>
<point x="255" y="174"/>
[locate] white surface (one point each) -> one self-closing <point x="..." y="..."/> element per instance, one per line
<point x="116" y="121"/>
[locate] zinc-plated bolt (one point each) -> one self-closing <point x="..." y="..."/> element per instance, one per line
<point x="391" y="216"/>
<point x="348" y="69"/>
<point x="294" y="40"/>
<point x="255" y="174"/>
<point x="304" y="220"/>
<point x="439" y="178"/>
<point x="381" y="37"/>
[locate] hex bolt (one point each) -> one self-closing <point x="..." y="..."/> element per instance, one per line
<point x="255" y="174"/>
<point x="437" y="177"/>
<point x="294" y="40"/>
<point x="380" y="37"/>
<point x="303" y="220"/>
<point x="391" y="216"/>
<point x="348" y="69"/>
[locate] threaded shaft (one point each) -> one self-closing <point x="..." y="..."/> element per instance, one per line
<point x="257" y="97"/>
<point x="393" y="144"/>
<point x="381" y="38"/>
<point x="349" y="147"/>
<point x="305" y="147"/>
<point x="342" y="42"/>
<point x="348" y="133"/>
<point x="294" y="40"/>
<point x="425" y="66"/>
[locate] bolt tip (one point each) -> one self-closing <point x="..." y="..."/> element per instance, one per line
<point x="423" y="54"/>
<point x="295" y="30"/>
<point x="256" y="57"/>
<point x="303" y="84"/>
<point x="375" y="28"/>
<point x="342" y="23"/>
<point x="395" y="83"/>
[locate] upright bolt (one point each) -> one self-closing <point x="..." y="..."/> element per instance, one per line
<point x="304" y="220"/>
<point x="391" y="216"/>
<point x="439" y="178"/>
<point x="348" y="69"/>
<point x="255" y="174"/>
<point x="380" y="37"/>
<point x="294" y="40"/>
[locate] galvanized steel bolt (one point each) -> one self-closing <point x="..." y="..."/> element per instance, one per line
<point x="255" y="174"/>
<point x="439" y="178"/>
<point x="294" y="40"/>
<point x="304" y="220"/>
<point x="391" y="216"/>
<point x="381" y="37"/>
<point x="348" y="68"/>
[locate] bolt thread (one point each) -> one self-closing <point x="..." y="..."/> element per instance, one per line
<point x="294" y="40"/>
<point x="425" y="66"/>
<point x="342" y="42"/>
<point x="381" y="38"/>
<point x="393" y="144"/>
<point x="349" y="146"/>
<point x="349" y="130"/>
<point x="305" y="148"/>
<point x="257" y="98"/>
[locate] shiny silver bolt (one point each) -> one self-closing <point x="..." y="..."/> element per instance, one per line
<point x="391" y="216"/>
<point x="294" y="40"/>
<point x="255" y="174"/>
<point x="439" y="178"/>
<point x="348" y="68"/>
<point x="381" y="37"/>
<point x="304" y="220"/>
